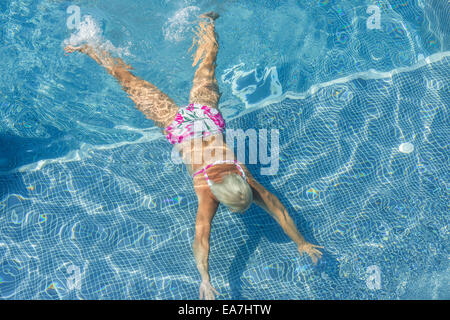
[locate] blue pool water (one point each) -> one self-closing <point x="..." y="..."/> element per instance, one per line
<point x="92" y="207"/>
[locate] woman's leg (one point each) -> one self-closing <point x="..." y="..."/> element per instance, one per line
<point x="151" y="101"/>
<point x="205" y="89"/>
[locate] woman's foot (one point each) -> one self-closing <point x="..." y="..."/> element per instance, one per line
<point x="101" y="57"/>
<point x="205" y="38"/>
<point x="70" y="48"/>
<point x="210" y="15"/>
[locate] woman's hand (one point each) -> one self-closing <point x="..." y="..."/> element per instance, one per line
<point x="207" y="291"/>
<point x="311" y="250"/>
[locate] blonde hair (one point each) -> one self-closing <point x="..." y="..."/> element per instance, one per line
<point x="234" y="192"/>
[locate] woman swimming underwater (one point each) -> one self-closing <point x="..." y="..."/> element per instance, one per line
<point x="222" y="181"/>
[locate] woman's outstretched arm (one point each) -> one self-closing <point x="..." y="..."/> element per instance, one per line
<point x="275" y="208"/>
<point x="207" y="208"/>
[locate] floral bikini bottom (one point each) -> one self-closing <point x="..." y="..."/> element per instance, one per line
<point x="194" y="121"/>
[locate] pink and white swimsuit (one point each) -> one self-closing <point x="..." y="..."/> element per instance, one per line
<point x="194" y="121"/>
<point x="203" y="170"/>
